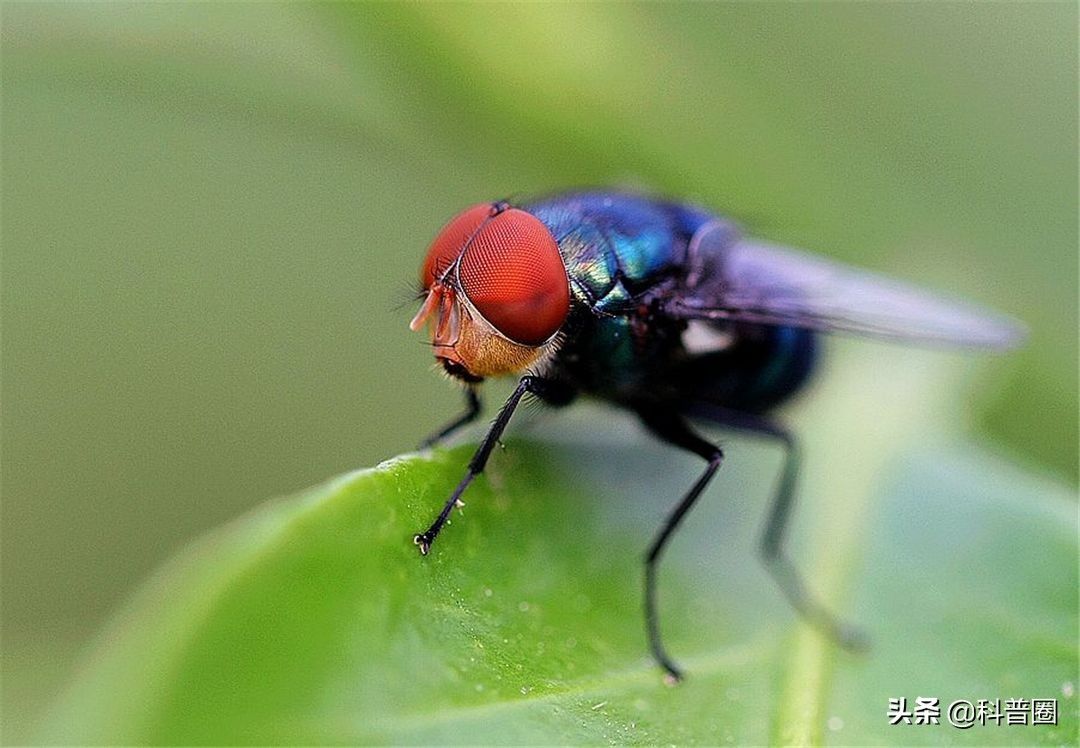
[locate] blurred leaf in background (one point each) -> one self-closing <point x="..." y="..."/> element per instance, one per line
<point x="210" y="214"/>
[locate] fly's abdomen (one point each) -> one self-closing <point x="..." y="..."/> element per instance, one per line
<point x="761" y="367"/>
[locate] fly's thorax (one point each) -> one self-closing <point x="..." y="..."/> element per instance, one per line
<point x="618" y="358"/>
<point x="616" y="247"/>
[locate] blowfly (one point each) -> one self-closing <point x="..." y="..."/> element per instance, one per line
<point x="666" y="310"/>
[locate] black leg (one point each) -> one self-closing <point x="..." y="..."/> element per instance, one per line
<point x="472" y="410"/>
<point x="674" y="430"/>
<point x="773" y="552"/>
<point x="476" y="464"/>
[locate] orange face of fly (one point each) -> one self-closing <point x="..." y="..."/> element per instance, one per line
<point x="496" y="292"/>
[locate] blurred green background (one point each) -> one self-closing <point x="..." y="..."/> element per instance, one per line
<point x="212" y="217"/>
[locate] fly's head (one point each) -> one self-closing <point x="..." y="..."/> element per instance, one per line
<point x="495" y="291"/>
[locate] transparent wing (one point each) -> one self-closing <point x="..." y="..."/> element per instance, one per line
<point x="730" y="278"/>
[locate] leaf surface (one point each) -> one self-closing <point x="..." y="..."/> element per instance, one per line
<point x="314" y="619"/>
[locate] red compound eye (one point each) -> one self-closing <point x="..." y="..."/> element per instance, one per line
<point x="513" y="274"/>
<point x="451" y="240"/>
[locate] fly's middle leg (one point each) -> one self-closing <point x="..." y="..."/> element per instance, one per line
<point x="672" y="429"/>
<point x="472" y="410"/>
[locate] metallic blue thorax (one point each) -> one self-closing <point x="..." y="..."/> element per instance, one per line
<point x="617" y="246"/>
<point x="625" y="255"/>
<point x="618" y="250"/>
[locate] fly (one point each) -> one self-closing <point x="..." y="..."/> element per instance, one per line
<point x="666" y="310"/>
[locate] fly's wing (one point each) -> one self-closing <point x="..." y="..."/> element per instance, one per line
<point x="730" y="278"/>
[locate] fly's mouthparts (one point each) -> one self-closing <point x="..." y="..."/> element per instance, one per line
<point x="454" y="369"/>
<point x="424" y="542"/>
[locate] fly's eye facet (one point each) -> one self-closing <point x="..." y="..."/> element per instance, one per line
<point x="513" y="274"/>
<point x="451" y="240"/>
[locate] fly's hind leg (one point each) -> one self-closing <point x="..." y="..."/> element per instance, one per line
<point x="773" y="552"/>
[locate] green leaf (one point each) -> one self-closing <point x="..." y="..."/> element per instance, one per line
<point x="314" y="619"/>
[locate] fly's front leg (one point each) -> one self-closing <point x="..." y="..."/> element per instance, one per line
<point x="479" y="460"/>
<point x="673" y="430"/>
<point x="472" y="410"/>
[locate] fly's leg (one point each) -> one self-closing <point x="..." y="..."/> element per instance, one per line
<point x="472" y="410"/>
<point x="479" y="460"/>
<point x="672" y="429"/>
<point x="773" y="553"/>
